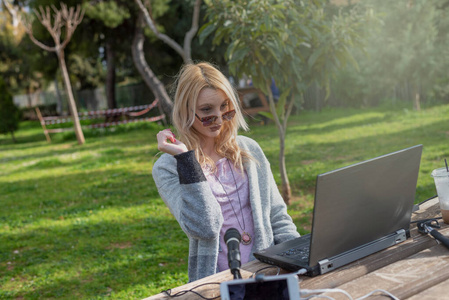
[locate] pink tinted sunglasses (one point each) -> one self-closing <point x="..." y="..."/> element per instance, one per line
<point x="209" y="120"/>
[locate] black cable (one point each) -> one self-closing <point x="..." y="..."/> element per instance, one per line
<point x="269" y="267"/>
<point x="422" y="202"/>
<point x="181" y="293"/>
<point x="427" y="200"/>
<point x="424" y="220"/>
<point x="416" y="206"/>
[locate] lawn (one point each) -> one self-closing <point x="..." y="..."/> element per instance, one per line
<point x="87" y="221"/>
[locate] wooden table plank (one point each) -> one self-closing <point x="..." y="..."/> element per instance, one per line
<point x="210" y="290"/>
<point x="404" y="278"/>
<point x="439" y="291"/>
<point x="429" y="209"/>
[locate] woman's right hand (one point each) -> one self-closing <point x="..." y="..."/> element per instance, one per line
<point x="167" y="142"/>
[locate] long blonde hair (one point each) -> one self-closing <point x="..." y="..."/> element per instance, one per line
<point x="190" y="81"/>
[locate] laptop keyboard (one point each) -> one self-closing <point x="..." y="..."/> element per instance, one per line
<point x="301" y="253"/>
<point x="299" y="250"/>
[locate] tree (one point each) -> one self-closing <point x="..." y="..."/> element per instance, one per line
<point x="109" y="19"/>
<point x="9" y="113"/>
<point x="70" y="19"/>
<point x="151" y="80"/>
<point x="139" y="58"/>
<point x="185" y="52"/>
<point x="406" y="54"/>
<point x="408" y="38"/>
<point x="290" y="41"/>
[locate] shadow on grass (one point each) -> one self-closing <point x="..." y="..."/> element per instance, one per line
<point x="331" y="126"/>
<point x="304" y="115"/>
<point x="23" y="135"/>
<point x="48" y="155"/>
<point x="383" y="143"/>
<point x="27" y="201"/>
<point x="21" y="141"/>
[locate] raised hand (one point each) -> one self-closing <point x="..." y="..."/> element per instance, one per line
<point x="167" y="142"/>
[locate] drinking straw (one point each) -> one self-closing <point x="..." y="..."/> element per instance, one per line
<point x="447" y="169"/>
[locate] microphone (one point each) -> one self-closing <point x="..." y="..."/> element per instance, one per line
<point x="232" y="239"/>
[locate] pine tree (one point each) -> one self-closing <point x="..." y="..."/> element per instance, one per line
<point x="9" y="112"/>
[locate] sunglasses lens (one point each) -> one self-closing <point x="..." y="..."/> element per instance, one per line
<point x="229" y="115"/>
<point x="207" y="121"/>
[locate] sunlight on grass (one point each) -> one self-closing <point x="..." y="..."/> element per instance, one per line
<point x="87" y="221"/>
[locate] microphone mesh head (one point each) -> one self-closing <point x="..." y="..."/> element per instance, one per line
<point x="232" y="233"/>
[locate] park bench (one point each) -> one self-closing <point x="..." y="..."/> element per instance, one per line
<point x="112" y="117"/>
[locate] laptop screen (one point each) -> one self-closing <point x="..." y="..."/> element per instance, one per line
<point x="363" y="202"/>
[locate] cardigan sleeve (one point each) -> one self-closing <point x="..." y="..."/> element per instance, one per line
<point x="184" y="189"/>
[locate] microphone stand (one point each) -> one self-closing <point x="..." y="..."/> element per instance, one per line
<point x="234" y="264"/>
<point x="236" y="273"/>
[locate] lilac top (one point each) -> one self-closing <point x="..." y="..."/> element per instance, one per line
<point x="243" y="214"/>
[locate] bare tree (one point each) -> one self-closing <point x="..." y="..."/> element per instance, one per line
<point x="184" y="51"/>
<point x="70" y="19"/>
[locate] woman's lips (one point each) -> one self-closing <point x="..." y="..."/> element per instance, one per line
<point x="215" y="128"/>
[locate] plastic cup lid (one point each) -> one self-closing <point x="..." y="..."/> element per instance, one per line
<point x="440" y="172"/>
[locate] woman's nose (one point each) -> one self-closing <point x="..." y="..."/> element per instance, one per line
<point x="219" y="120"/>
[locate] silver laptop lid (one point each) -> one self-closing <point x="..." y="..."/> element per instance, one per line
<point x="363" y="202"/>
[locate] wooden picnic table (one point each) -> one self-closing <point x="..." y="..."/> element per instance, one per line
<point x="415" y="269"/>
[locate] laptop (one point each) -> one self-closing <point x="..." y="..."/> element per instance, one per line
<point x="359" y="210"/>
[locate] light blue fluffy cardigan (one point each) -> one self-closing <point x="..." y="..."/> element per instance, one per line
<point x="183" y="187"/>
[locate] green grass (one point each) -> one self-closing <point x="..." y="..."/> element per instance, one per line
<point x="87" y="221"/>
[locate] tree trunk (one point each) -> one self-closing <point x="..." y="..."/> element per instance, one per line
<point x="156" y="86"/>
<point x="110" y="77"/>
<point x="13" y="137"/>
<point x="286" y="190"/>
<point x="58" y="98"/>
<point x="417" y="103"/>
<point x="318" y="98"/>
<point x="416" y="97"/>
<point x="72" y="105"/>
<point x="29" y="91"/>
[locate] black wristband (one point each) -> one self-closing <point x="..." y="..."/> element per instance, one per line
<point x="189" y="169"/>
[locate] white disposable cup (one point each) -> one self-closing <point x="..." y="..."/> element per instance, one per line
<point x="441" y="177"/>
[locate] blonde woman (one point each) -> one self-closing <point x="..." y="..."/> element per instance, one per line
<point x="213" y="179"/>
